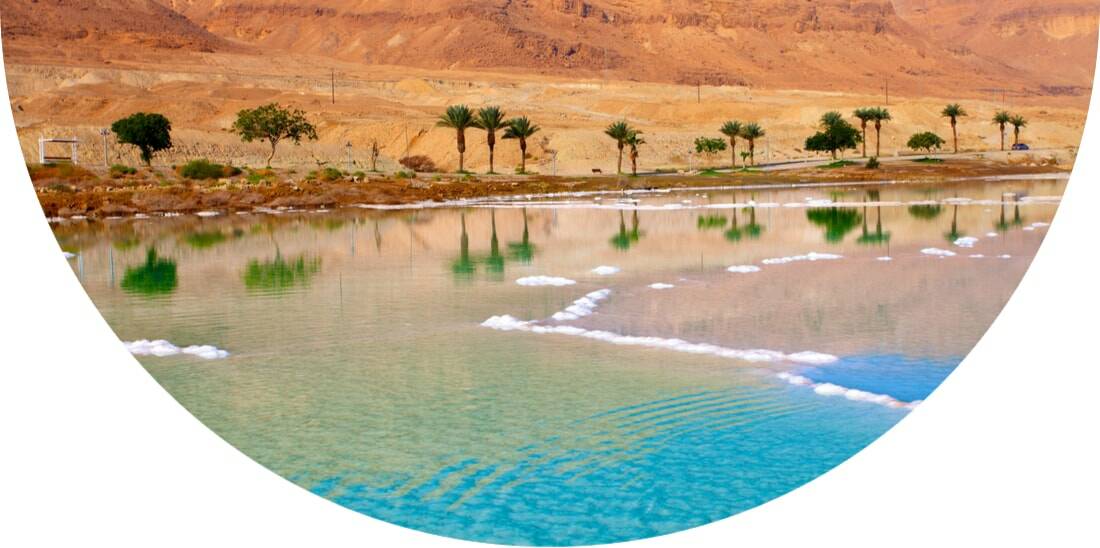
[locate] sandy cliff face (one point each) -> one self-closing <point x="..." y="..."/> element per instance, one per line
<point x="1056" y="39"/>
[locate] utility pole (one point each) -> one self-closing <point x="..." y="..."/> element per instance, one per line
<point x="104" y="133"/>
<point x="334" y="86"/>
<point x="350" y="163"/>
<point x="698" y="91"/>
<point x="887" y="91"/>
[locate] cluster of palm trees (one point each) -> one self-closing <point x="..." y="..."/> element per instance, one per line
<point x="750" y="132"/>
<point x="489" y="119"/>
<point x="626" y="136"/>
<point x="876" y="116"/>
<point x="1003" y="119"/>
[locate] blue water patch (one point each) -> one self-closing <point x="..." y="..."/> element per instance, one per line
<point x="906" y="378"/>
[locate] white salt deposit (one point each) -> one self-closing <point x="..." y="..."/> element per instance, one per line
<point x="162" y="348"/>
<point x="744" y="269"/>
<point x="966" y="241"/>
<point x="811" y="257"/>
<point x="833" y="390"/>
<point x="977" y="256"/>
<point x="582" y="307"/>
<point x="1004" y="256"/>
<point x="208" y="214"/>
<point x="991" y="235"/>
<point x="885" y="259"/>
<point x="606" y="270"/>
<point x="661" y="286"/>
<point x="935" y="252"/>
<point x="69" y="255"/>
<point x="509" y="323"/>
<point x="538" y="281"/>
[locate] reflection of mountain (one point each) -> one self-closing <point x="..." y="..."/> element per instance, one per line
<point x="156" y="277"/>
<point x="280" y="274"/>
<point x="837" y="221"/>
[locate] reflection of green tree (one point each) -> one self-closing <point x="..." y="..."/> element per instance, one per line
<point x="463" y="266"/>
<point x="837" y="221"/>
<point x="878" y="237"/>
<point x="711" y="222"/>
<point x="204" y="239"/>
<point x="156" y="277"/>
<point x="925" y="212"/>
<point x="753" y="230"/>
<point x="1017" y="220"/>
<point x="523" y="250"/>
<point x="624" y="240"/>
<point x="279" y="273"/>
<point x="126" y="243"/>
<point x="734" y="234"/>
<point x="494" y="263"/>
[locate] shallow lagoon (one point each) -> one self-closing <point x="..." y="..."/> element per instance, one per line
<point x="735" y="344"/>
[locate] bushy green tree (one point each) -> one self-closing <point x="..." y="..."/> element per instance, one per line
<point x="836" y="135"/>
<point x="150" y="132"/>
<point x="709" y="147"/>
<point x="273" y="123"/>
<point x="926" y="141"/>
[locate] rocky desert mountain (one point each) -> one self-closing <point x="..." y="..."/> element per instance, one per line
<point x="674" y="67"/>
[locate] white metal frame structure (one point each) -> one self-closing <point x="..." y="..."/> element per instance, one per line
<point x="44" y="159"/>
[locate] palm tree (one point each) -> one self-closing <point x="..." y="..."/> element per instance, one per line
<point x="460" y="118"/>
<point x="880" y="115"/>
<point x="1018" y="122"/>
<point x="954" y="112"/>
<point x="490" y="119"/>
<point x="1002" y="119"/>
<point x="752" y="132"/>
<point x="732" y="129"/>
<point x="521" y="129"/>
<point x="865" y="115"/>
<point x="633" y="141"/>
<point x="620" y="132"/>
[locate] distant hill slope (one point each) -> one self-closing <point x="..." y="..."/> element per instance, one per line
<point x="111" y="23"/>
<point x="917" y="46"/>
<point x="1054" y="39"/>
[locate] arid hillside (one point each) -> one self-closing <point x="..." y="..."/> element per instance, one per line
<point x="1056" y="39"/>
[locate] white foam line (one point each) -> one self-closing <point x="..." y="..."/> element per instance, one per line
<point x="885" y="259"/>
<point x="829" y="390"/>
<point x="966" y="241"/>
<point x="809" y="257"/>
<point x="606" y="270"/>
<point x="539" y="281"/>
<point x="936" y="252"/>
<point x="161" y="348"/>
<point x="660" y="285"/>
<point x="744" y="269"/>
<point x="509" y="323"/>
<point x="584" y="306"/>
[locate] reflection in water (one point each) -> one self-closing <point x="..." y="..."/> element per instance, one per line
<point x="156" y="277"/>
<point x="523" y="250"/>
<point x="464" y="266"/>
<point x="753" y="230"/>
<point x="837" y="221"/>
<point x="494" y="263"/>
<point x="280" y="274"/>
<point x="926" y="212"/>
<point x="624" y="240"/>
<point x="954" y="234"/>
<point x="203" y="240"/>
<point x="734" y="234"/>
<point x="712" y="222"/>
<point x="878" y="237"/>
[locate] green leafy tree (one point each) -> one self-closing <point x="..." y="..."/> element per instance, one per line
<point x="751" y="132"/>
<point x="491" y="119"/>
<point x="459" y="118"/>
<point x="620" y="132"/>
<point x="865" y="116"/>
<point x="634" y="141"/>
<point x="709" y="147"/>
<point x="150" y="132"/>
<point x="273" y="123"/>
<point x="836" y="135"/>
<point x="879" y="116"/>
<point x="1018" y="122"/>
<point x="732" y="129"/>
<point x="521" y="129"/>
<point x="926" y="141"/>
<point x="954" y="112"/>
<point x="1001" y="120"/>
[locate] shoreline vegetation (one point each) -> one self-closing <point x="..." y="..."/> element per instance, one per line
<point x="68" y="191"/>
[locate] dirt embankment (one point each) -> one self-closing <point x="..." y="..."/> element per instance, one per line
<point x="66" y="191"/>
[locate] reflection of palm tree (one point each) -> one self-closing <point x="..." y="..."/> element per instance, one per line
<point x="734" y="233"/>
<point x="495" y="262"/>
<point x="752" y="229"/>
<point x="377" y="237"/>
<point x="955" y="234"/>
<point x="279" y="274"/>
<point x="523" y="250"/>
<point x="625" y="240"/>
<point x="157" y="276"/>
<point x="1017" y="220"/>
<point x="463" y="266"/>
<point x="1002" y="224"/>
<point x="838" y="222"/>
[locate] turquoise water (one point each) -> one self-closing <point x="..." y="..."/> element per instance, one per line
<point x="391" y="362"/>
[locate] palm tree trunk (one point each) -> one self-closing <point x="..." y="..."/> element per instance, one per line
<point x="733" y="153"/>
<point x="1002" y="137"/>
<point x="752" y="151"/>
<point x="878" y="139"/>
<point x="461" y="151"/>
<point x="491" y="153"/>
<point x="523" y="155"/>
<point x="619" y="169"/>
<point x="864" y="139"/>
<point x="955" y="133"/>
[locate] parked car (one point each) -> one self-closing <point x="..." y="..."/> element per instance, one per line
<point x="1020" y="146"/>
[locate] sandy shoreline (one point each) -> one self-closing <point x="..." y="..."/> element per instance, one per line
<point x="90" y="195"/>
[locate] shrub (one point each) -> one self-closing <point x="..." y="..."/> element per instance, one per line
<point x="421" y="164"/>
<point x="204" y="169"/>
<point x="873" y="163"/>
<point x="405" y="174"/>
<point x="119" y="171"/>
<point x="260" y="176"/>
<point x="330" y="174"/>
